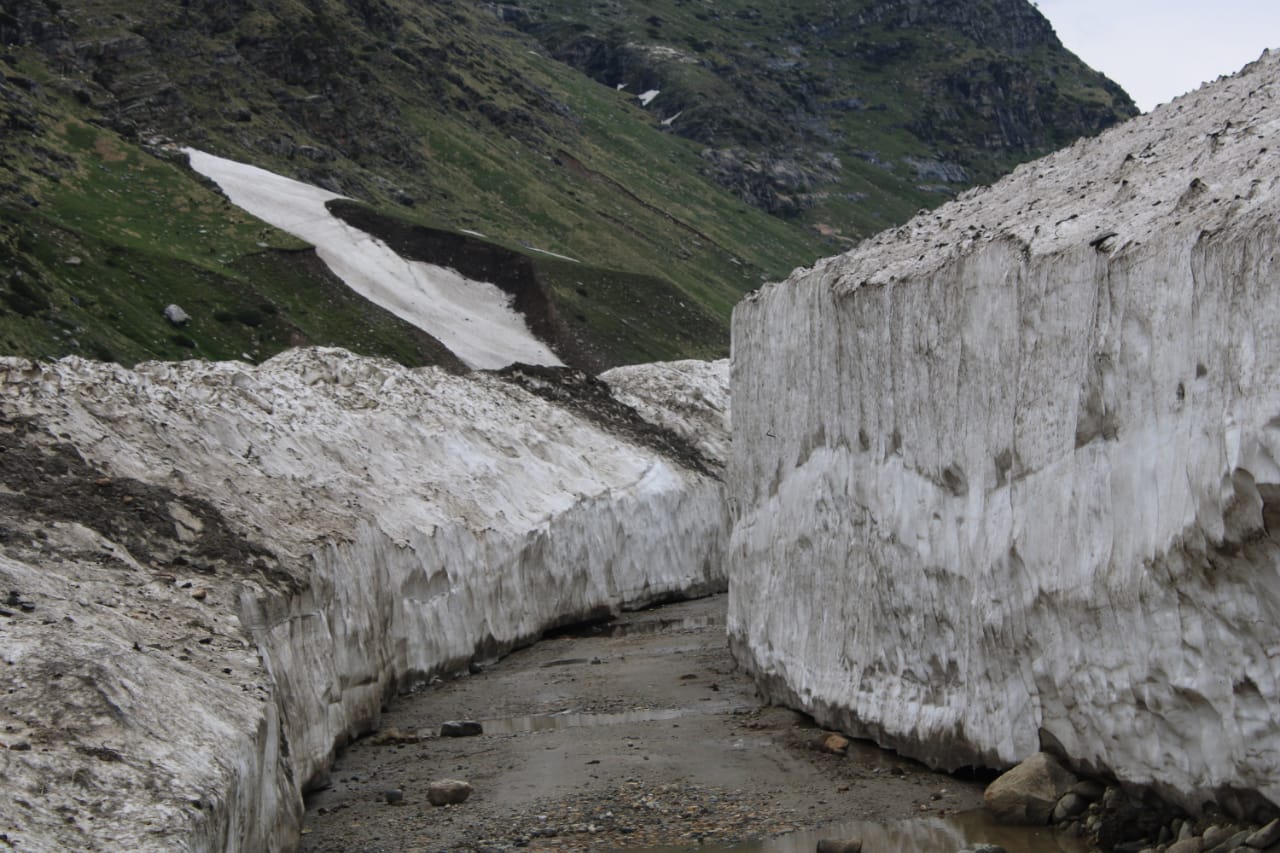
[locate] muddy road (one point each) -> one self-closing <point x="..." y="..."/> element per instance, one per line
<point x="636" y="734"/>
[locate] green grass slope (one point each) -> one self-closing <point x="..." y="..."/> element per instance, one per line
<point x="106" y="235"/>
<point x="442" y="116"/>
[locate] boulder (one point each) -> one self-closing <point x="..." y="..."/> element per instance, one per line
<point x="1071" y="805"/>
<point x="1027" y="794"/>
<point x="1266" y="836"/>
<point x="448" y="792"/>
<point x="461" y="728"/>
<point x="176" y="316"/>
<point x="834" y="744"/>
<point x="1187" y="845"/>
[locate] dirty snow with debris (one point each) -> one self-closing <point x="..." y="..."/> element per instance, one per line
<point x="690" y="398"/>
<point x="473" y="319"/>
<point x="1010" y="474"/>
<point x="395" y="523"/>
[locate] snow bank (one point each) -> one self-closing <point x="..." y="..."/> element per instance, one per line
<point x="473" y="319"/>
<point x="690" y="398"/>
<point x="300" y="540"/>
<point x="1010" y="472"/>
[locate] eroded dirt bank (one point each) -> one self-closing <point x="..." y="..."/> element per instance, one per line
<point x="628" y="735"/>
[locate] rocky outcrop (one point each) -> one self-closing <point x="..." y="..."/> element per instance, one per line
<point x="783" y="186"/>
<point x="1007" y="476"/>
<point x="221" y="573"/>
<point x="781" y="98"/>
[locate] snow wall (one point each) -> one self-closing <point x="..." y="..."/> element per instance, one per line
<point x="230" y="569"/>
<point x="1010" y="474"/>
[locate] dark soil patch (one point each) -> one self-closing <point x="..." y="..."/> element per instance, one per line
<point x="47" y="480"/>
<point x="590" y="397"/>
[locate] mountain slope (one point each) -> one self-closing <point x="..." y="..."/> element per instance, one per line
<point x="854" y="114"/>
<point x="445" y="115"/>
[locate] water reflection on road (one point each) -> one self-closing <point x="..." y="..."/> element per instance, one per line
<point x="922" y="835"/>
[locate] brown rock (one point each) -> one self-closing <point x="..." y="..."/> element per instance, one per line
<point x="834" y="743"/>
<point x="1071" y="805"/>
<point x="448" y="792"/>
<point x="1215" y="835"/>
<point x="1089" y="789"/>
<point x="1027" y="794"/>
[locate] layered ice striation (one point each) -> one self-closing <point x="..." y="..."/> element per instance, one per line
<point x="231" y="569"/>
<point x="1010" y="474"/>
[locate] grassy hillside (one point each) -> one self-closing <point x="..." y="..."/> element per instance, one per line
<point x="445" y="116"/>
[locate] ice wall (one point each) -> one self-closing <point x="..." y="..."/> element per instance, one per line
<point x="1011" y="473"/>
<point x="299" y="540"/>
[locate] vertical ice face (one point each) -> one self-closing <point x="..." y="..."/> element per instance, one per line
<point x="346" y="527"/>
<point x="1010" y="473"/>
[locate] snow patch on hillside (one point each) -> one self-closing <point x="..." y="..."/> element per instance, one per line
<point x="473" y="319"/>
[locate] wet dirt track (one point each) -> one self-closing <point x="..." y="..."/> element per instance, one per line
<point x="638" y="733"/>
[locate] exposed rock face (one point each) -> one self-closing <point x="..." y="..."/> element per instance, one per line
<point x="223" y="571"/>
<point x="1010" y="473"/>
<point x="783" y="186"/>
<point x="784" y="96"/>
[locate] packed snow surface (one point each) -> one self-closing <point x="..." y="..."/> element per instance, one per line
<point x="690" y="398"/>
<point x="1010" y="474"/>
<point x="473" y="319"/>
<point x="317" y="532"/>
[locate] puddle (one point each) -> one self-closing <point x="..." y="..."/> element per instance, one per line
<point x="570" y="720"/>
<point x="920" y="835"/>
<point x="638" y="628"/>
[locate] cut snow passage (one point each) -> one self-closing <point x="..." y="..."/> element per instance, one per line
<point x="473" y="319"/>
<point x="648" y="96"/>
